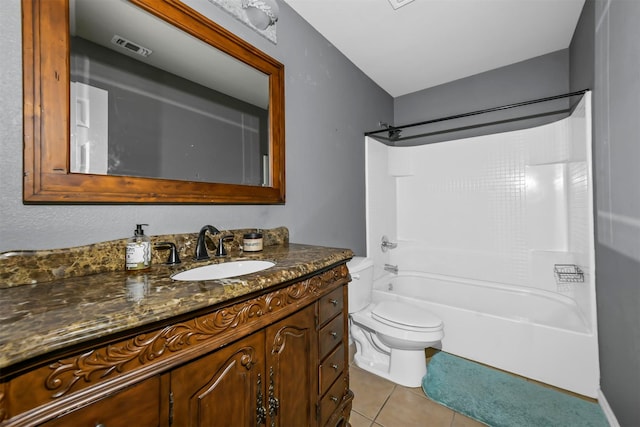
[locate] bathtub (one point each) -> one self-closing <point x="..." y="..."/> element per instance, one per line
<point x="536" y="334"/>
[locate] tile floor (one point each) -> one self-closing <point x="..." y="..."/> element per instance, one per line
<point x="381" y="403"/>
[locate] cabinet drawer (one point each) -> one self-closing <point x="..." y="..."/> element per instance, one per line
<point x="331" y="369"/>
<point x="330" y="305"/>
<point x="140" y="403"/>
<point x="332" y="400"/>
<point x="330" y="335"/>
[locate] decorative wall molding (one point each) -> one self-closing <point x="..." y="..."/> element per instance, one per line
<point x="235" y="9"/>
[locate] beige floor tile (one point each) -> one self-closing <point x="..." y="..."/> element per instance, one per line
<point x="370" y="391"/>
<point x="358" y="420"/>
<point x="460" y="420"/>
<point x="416" y="390"/>
<point x="405" y="408"/>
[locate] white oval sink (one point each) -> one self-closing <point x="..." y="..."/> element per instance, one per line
<point x="223" y="270"/>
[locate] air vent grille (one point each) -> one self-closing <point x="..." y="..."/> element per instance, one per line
<point x="131" y="46"/>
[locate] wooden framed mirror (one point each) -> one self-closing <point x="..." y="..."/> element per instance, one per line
<point x="50" y="176"/>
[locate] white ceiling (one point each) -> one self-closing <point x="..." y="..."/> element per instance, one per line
<point x="426" y="43"/>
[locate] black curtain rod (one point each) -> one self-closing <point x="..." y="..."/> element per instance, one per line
<point x="395" y="129"/>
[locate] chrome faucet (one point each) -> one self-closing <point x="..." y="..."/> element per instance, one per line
<point x="391" y="268"/>
<point x="201" y="245"/>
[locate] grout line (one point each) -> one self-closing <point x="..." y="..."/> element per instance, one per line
<point x="362" y="415"/>
<point x="385" y="402"/>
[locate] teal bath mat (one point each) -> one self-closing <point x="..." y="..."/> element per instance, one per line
<point x="502" y="400"/>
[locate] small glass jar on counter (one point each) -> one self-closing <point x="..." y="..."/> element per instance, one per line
<point x="252" y="242"/>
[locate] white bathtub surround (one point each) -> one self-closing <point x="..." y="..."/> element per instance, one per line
<point x="480" y="225"/>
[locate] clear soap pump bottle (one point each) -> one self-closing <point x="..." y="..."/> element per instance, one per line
<point x="138" y="254"/>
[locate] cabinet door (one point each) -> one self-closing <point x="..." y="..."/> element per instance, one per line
<point x="291" y="370"/>
<point x="222" y="388"/>
<point x="140" y="402"/>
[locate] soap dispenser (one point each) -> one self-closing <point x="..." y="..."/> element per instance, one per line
<point x="138" y="254"/>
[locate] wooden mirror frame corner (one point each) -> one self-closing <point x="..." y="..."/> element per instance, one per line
<point x="47" y="177"/>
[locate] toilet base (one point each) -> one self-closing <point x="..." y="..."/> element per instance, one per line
<point x="404" y="367"/>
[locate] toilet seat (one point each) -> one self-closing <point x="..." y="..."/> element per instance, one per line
<point x="410" y="333"/>
<point x="405" y="316"/>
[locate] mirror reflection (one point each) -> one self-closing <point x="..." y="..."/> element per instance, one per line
<point x="148" y="100"/>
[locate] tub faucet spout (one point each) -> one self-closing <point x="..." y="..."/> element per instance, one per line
<point x="391" y="268"/>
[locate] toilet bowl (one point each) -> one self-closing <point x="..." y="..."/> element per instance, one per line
<point x="390" y="336"/>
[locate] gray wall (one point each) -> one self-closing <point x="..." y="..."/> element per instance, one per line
<point x="329" y="104"/>
<point x="535" y="78"/>
<point x="617" y="175"/>
<point x="582" y="50"/>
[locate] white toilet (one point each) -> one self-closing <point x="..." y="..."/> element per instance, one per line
<point x="390" y="336"/>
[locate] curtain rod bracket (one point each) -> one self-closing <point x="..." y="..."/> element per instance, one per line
<point x="394" y="132"/>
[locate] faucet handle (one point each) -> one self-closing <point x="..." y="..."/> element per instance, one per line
<point x="220" y="251"/>
<point x="386" y="244"/>
<point x="173" y="252"/>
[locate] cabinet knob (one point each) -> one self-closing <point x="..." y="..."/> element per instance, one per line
<point x="334" y="366"/>
<point x="100" y="425"/>
<point x="334" y="302"/>
<point x="334" y="399"/>
<point x="333" y="334"/>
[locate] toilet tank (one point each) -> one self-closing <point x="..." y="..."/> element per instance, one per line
<point x="361" y="285"/>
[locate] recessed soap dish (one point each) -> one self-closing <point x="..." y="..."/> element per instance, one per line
<point x="568" y="273"/>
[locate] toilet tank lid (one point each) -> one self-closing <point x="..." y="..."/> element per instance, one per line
<point x="405" y="314"/>
<point x="359" y="263"/>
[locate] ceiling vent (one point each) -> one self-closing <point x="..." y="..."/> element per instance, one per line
<point x="134" y="47"/>
<point x="399" y="3"/>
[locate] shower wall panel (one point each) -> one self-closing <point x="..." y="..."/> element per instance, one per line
<point x="502" y="208"/>
<point x="464" y="209"/>
<point x="380" y="201"/>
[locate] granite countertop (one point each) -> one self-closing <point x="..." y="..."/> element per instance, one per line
<point x="38" y="318"/>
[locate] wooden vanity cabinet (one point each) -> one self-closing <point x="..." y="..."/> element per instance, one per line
<point x="264" y="379"/>
<point x="277" y="359"/>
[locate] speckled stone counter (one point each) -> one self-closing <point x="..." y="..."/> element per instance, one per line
<point x="98" y="299"/>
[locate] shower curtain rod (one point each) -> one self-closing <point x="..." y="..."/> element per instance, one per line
<point x="394" y="131"/>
